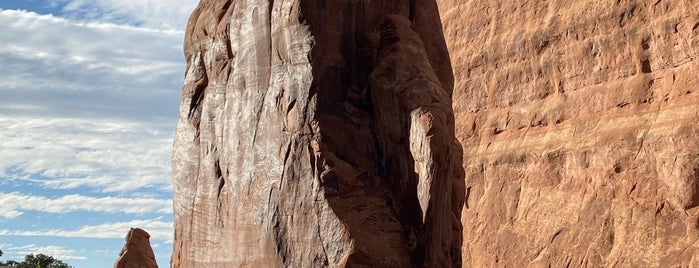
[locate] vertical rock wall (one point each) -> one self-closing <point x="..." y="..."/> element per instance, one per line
<point x="316" y="133"/>
<point x="321" y="133"/>
<point x="579" y="124"/>
<point x="241" y="168"/>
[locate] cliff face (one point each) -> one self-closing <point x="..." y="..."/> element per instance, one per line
<point x="323" y="133"/>
<point x="579" y="124"/>
<point x="316" y="133"/>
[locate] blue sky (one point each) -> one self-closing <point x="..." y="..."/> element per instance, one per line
<point x="89" y="94"/>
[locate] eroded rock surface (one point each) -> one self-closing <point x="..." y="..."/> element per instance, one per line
<point x="137" y="252"/>
<point x="579" y="123"/>
<point x="292" y="149"/>
<point x="322" y="133"/>
<point x="415" y="126"/>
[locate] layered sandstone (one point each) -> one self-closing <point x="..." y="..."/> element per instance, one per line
<point x="316" y="133"/>
<point x="579" y="123"/>
<point x="322" y="133"/>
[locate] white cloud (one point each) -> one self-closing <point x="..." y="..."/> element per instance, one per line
<point x="58" y="37"/>
<point x="88" y="102"/>
<point x="66" y="153"/>
<point x="158" y="230"/>
<point x="166" y="14"/>
<point x="59" y="66"/>
<point x="13" y="204"/>
<point x="57" y="252"/>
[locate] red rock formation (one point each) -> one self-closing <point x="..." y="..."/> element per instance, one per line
<point x="322" y="133"/>
<point x="416" y="126"/>
<point x="578" y="121"/>
<point x="137" y="252"/>
<point x="288" y="152"/>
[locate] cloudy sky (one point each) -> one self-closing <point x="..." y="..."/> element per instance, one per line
<point x="89" y="93"/>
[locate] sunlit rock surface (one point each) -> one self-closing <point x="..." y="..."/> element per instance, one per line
<point x="580" y="128"/>
<point x="335" y="133"/>
<point x="316" y="133"/>
<point x="137" y="252"/>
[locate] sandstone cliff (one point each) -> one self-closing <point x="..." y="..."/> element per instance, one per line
<point x="323" y="133"/>
<point x="316" y="133"/>
<point x="579" y="123"/>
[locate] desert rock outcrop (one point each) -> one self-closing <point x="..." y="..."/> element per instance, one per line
<point x="137" y="252"/>
<point x="292" y="148"/>
<point x="318" y="133"/>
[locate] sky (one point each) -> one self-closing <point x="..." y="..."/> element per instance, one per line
<point x="89" y="95"/>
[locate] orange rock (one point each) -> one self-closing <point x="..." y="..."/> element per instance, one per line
<point x="578" y="121"/>
<point x="137" y="252"/>
<point x="280" y="157"/>
<point x="438" y="133"/>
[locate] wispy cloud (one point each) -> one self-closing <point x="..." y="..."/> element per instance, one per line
<point x="88" y="104"/>
<point x="60" y="253"/>
<point x="13" y="204"/>
<point x="73" y="68"/>
<point x="168" y="14"/>
<point x="158" y="230"/>
<point x="65" y="153"/>
<point x="85" y="104"/>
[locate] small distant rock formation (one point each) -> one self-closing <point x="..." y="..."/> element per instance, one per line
<point x="137" y="252"/>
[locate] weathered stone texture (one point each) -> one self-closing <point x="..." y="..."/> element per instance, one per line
<point x="291" y="149"/>
<point x="137" y="252"/>
<point x="579" y="123"/>
<point x="415" y="125"/>
<point x="320" y="133"/>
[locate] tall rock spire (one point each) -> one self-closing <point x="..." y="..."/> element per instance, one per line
<point x="291" y="149"/>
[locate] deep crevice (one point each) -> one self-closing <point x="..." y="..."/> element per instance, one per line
<point x="372" y="189"/>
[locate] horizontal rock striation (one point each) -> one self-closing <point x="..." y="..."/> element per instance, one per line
<point x="316" y="133"/>
<point x="578" y="121"/>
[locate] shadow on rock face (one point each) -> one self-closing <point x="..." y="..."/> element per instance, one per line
<point x="388" y="157"/>
<point x="316" y="133"/>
